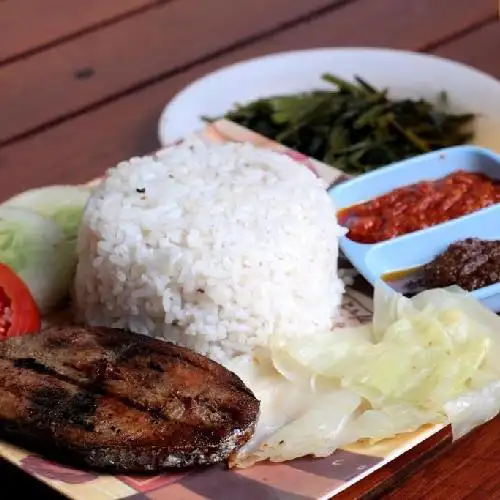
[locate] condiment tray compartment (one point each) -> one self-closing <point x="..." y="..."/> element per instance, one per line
<point x="429" y="166"/>
<point x="417" y="248"/>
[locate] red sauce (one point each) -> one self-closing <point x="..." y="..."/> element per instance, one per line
<point x="417" y="206"/>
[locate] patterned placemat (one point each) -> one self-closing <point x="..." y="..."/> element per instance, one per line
<point x="349" y="472"/>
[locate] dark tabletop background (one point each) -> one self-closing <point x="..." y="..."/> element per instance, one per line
<point x="82" y="84"/>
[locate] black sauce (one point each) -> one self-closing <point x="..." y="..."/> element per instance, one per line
<point x="405" y="281"/>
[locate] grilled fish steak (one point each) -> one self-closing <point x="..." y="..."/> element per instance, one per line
<point x="121" y="401"/>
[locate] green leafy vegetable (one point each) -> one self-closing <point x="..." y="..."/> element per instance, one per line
<point x="355" y="127"/>
<point x="63" y="204"/>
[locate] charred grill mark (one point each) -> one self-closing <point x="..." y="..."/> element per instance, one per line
<point x="155" y="366"/>
<point x="99" y="371"/>
<point x="156" y="414"/>
<point x="131" y="351"/>
<point x="33" y="365"/>
<point x="53" y="406"/>
<point x="86" y="388"/>
<point x="142" y="347"/>
<point x="123" y="349"/>
<point x="56" y="394"/>
<point x="104" y="368"/>
<point x="127" y="346"/>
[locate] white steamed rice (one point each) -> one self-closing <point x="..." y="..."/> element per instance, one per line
<point x="226" y="245"/>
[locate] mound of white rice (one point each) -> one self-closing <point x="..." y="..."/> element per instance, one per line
<point x="214" y="247"/>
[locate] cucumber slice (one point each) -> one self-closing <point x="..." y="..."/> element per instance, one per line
<point x="36" y="248"/>
<point x="63" y="204"/>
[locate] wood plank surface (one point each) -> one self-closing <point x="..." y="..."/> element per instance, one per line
<point x="26" y="25"/>
<point x="469" y="470"/>
<point x="386" y="478"/>
<point x="86" y="80"/>
<point x="80" y="149"/>
<point x="71" y="76"/>
<point x="480" y="49"/>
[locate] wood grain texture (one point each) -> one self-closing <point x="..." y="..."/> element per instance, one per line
<point x="480" y="49"/>
<point x="80" y="149"/>
<point x="92" y="68"/>
<point x="62" y="83"/>
<point x="26" y="25"/>
<point x="469" y="470"/>
<point x="385" y="478"/>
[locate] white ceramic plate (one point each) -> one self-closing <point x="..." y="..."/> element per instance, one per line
<point x="406" y="74"/>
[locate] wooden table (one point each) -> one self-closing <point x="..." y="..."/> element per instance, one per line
<point x="82" y="84"/>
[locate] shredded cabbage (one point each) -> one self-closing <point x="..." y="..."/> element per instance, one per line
<point x="294" y="420"/>
<point x="431" y="359"/>
<point x="424" y="351"/>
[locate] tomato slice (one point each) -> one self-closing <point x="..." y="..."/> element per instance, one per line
<point x="18" y="311"/>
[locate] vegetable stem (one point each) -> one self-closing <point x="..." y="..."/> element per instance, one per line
<point x="355" y="126"/>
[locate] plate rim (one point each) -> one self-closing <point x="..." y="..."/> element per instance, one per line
<point x="162" y="128"/>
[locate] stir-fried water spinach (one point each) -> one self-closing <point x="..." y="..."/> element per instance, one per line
<point x="355" y="127"/>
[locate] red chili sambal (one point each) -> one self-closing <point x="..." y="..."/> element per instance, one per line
<point x="417" y="206"/>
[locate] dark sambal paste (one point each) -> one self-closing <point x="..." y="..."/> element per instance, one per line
<point x="417" y="206"/>
<point x="471" y="264"/>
